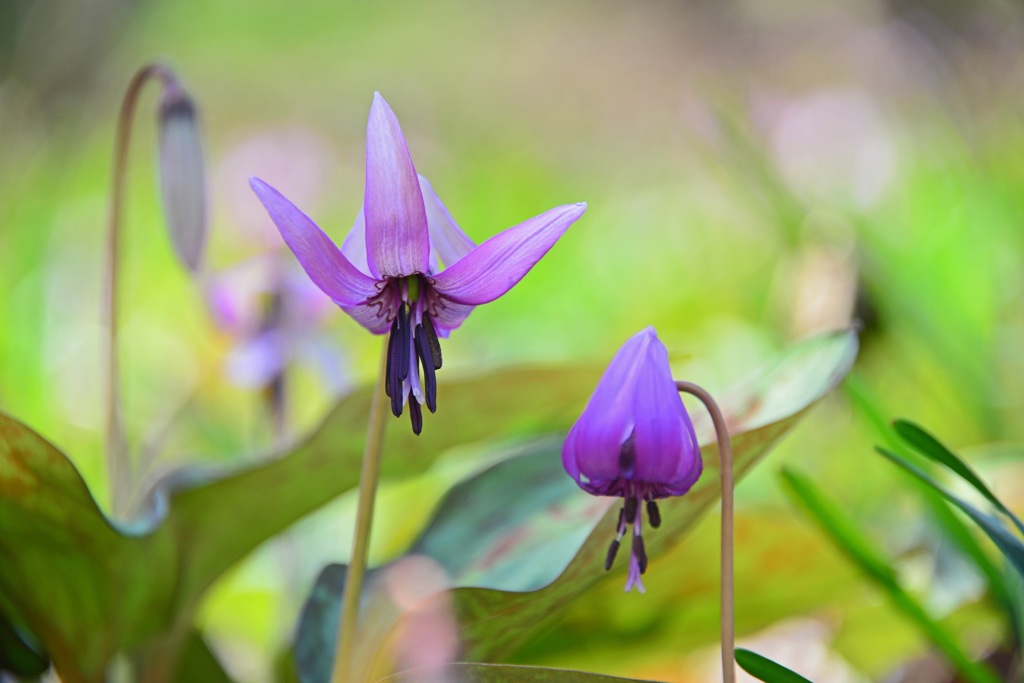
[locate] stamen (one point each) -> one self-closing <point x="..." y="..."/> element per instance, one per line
<point x="429" y="379"/>
<point x="392" y="383"/>
<point x="639" y="552"/>
<point x="631" y="505"/>
<point x="620" y="526"/>
<point x="405" y="341"/>
<point x="432" y="341"/>
<point x="627" y="456"/>
<point x="415" y="414"/>
<point x="613" y="550"/>
<point x="653" y="514"/>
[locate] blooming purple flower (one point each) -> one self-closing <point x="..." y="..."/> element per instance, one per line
<point x="634" y="440"/>
<point x="388" y="275"/>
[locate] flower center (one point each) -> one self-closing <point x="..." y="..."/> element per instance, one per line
<point x="412" y="344"/>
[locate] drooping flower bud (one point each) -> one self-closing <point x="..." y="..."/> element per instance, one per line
<point x="182" y="174"/>
<point x="634" y="440"/>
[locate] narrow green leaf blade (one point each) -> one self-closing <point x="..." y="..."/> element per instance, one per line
<point x="843" y="532"/>
<point x="764" y="669"/>
<point x="927" y="445"/>
<point x="1007" y="542"/>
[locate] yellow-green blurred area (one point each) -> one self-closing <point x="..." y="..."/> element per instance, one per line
<point x="755" y="173"/>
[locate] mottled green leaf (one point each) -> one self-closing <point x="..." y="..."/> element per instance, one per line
<point x="89" y="588"/>
<point x="764" y="669"/>
<point x="465" y="672"/>
<point x="520" y="541"/>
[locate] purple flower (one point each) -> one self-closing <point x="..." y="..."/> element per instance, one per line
<point x="634" y="440"/>
<point x="388" y="275"/>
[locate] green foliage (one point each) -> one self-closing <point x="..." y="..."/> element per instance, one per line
<point x="764" y="669"/>
<point x="17" y="655"/>
<point x="929" y="446"/>
<point x="844" y="533"/>
<point x="500" y="673"/>
<point x="534" y="543"/>
<point x="135" y="588"/>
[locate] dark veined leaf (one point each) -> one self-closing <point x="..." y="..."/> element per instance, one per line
<point x="844" y="533"/>
<point x="764" y="669"/>
<point x="87" y="587"/>
<point x="534" y="542"/>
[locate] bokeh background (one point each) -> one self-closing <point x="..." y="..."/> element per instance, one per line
<point x="755" y="173"/>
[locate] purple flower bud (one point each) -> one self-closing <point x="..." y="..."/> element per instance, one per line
<point x="634" y="440"/>
<point x="182" y="174"/>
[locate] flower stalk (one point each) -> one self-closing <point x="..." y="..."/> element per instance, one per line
<point x="727" y="583"/>
<point x="183" y="186"/>
<point x="370" y="473"/>
<point x="118" y="472"/>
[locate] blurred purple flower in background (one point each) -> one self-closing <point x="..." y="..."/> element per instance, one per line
<point x="634" y="440"/>
<point x="276" y="315"/>
<point x="388" y="275"/>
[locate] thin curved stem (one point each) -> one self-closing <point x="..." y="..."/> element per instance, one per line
<point x="728" y="605"/>
<point x="342" y="669"/>
<point x="117" y="463"/>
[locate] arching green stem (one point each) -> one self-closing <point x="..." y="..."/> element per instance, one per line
<point x="728" y="607"/>
<point x="118" y="473"/>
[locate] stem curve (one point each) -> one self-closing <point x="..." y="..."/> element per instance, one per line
<point x="117" y="457"/>
<point x="728" y="605"/>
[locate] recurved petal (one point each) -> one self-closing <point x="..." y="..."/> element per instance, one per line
<point x="396" y="223"/>
<point x="449" y="317"/>
<point x="446" y="238"/>
<point x="326" y="266"/>
<point x="371" y="316"/>
<point x="494" y="267"/>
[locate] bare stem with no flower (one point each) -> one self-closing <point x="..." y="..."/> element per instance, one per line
<point x="725" y="464"/>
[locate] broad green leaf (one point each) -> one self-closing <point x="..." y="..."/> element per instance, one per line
<point x="77" y="583"/>
<point x="199" y="663"/>
<point x="764" y="669"/>
<point x="783" y="569"/>
<point x="88" y="588"/>
<point x="466" y="672"/>
<point x="844" y="533"/>
<point x="929" y="446"/>
<point x="520" y="541"/>
<point x="17" y="655"/>
<point x="1007" y="542"/>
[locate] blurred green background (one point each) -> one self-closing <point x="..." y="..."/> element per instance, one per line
<point x="755" y="173"/>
